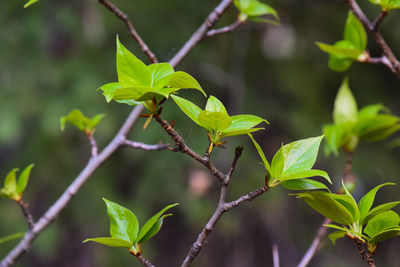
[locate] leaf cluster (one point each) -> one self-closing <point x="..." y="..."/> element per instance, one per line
<point x="371" y="123"/>
<point x="82" y="122"/>
<point x="357" y="220"/>
<point x="14" y="188"/>
<point x="351" y="48"/>
<point x="124" y="228"/>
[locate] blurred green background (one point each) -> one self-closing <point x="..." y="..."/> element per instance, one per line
<point x="55" y="54"/>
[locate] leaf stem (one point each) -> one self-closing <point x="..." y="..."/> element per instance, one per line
<point x="27" y="214"/>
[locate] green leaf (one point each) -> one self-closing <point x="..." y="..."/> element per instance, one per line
<point x="296" y="156"/>
<point x="241" y="124"/>
<point x="10" y="185"/>
<point x="377" y="128"/>
<point x="160" y="74"/>
<point x="23" y="179"/>
<point x="30" y="2"/>
<point x="95" y="121"/>
<point x="384" y="235"/>
<point x="111" y="242"/>
<point x="151" y="222"/>
<point x="387" y="5"/>
<point x="216" y="121"/>
<point x="190" y="109"/>
<point x="379" y="209"/>
<point x="365" y="203"/>
<point x="304" y="174"/>
<point x="333" y="226"/>
<point x="261" y="153"/>
<point x="123" y="223"/>
<point x="336" y="235"/>
<point x="255" y="8"/>
<point x="336" y="136"/>
<point x="131" y="93"/>
<point x="214" y="105"/>
<point x="82" y="122"/>
<point x="382" y="222"/>
<point x="154" y="229"/>
<point x="341" y="48"/>
<point x="303" y="184"/>
<point x="109" y="89"/>
<point x="182" y="80"/>
<point x="239" y="132"/>
<point x="369" y="111"/>
<point x="354" y="32"/>
<point x="131" y="70"/>
<point x="349" y="203"/>
<point x="325" y="204"/>
<point x="345" y="109"/>
<point x="11" y="237"/>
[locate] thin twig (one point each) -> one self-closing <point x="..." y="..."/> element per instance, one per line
<point x="182" y="147"/>
<point x="275" y="255"/>
<point x="210" y="21"/>
<point x="380" y="41"/>
<point x="124" y="17"/>
<point x="143" y="146"/>
<point x="142" y="259"/>
<point x="315" y="245"/>
<point x="93" y="143"/>
<point x="365" y="255"/>
<point x="225" y="29"/>
<point x="377" y="22"/>
<point x="27" y="214"/>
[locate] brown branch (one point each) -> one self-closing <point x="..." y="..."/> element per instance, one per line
<point x="182" y="147"/>
<point x="225" y="29"/>
<point x="143" y="146"/>
<point x="142" y="259"/>
<point x="377" y="22"/>
<point x="124" y="17"/>
<point x="365" y="255"/>
<point x="380" y="41"/>
<point x="315" y="245"/>
<point x="201" y="32"/>
<point x="93" y="144"/>
<point x="27" y="214"/>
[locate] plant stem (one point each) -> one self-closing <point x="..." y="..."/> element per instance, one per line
<point x="27" y="214"/>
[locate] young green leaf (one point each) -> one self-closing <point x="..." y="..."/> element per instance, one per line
<point x="384" y="235"/>
<point x="379" y="209"/>
<point x="254" y="8"/>
<point x="183" y="80"/>
<point x="387" y="5"/>
<point x="242" y="124"/>
<point x="216" y="121"/>
<point x="151" y="222"/>
<point x="123" y="223"/>
<point x="214" y="105"/>
<point x="370" y="111"/>
<point x="336" y="235"/>
<point x="304" y="174"/>
<point x="190" y="109"/>
<point x="345" y="109"/>
<point x="303" y="184"/>
<point x="381" y="222"/>
<point x="336" y="136"/>
<point x="154" y="229"/>
<point x="354" y="32"/>
<point x="10" y="185"/>
<point x="296" y="156"/>
<point x="348" y="202"/>
<point x="342" y="48"/>
<point x="82" y="122"/>
<point x="30" y="2"/>
<point x="160" y="74"/>
<point x="261" y="153"/>
<point x="110" y="241"/>
<point x="23" y="179"/>
<point x="131" y="71"/>
<point x="365" y="203"/>
<point x="325" y="204"/>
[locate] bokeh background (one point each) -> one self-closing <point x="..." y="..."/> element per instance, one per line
<point x="55" y="54"/>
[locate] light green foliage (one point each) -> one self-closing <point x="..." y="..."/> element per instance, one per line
<point x="381" y="222"/>
<point x="254" y="9"/>
<point x="215" y="119"/>
<point x="352" y="47"/>
<point x="30" y="2"/>
<point x="292" y="164"/>
<point x="82" y="122"/>
<point x="387" y="5"/>
<point x="124" y="227"/>
<point x="371" y="123"/>
<point x="14" y="188"/>
<point x="138" y="83"/>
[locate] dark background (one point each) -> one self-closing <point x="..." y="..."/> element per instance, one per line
<point x="55" y="54"/>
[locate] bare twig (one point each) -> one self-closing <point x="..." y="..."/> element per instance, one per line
<point x="210" y="21"/>
<point x="380" y="41"/>
<point x="275" y="255"/>
<point x="143" y="146"/>
<point x="124" y="17"/>
<point x="225" y="29"/>
<point x="142" y="259"/>
<point x="93" y="144"/>
<point x="378" y="20"/>
<point x="365" y="255"/>
<point x="27" y="213"/>
<point x="315" y="245"/>
<point x="182" y="147"/>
